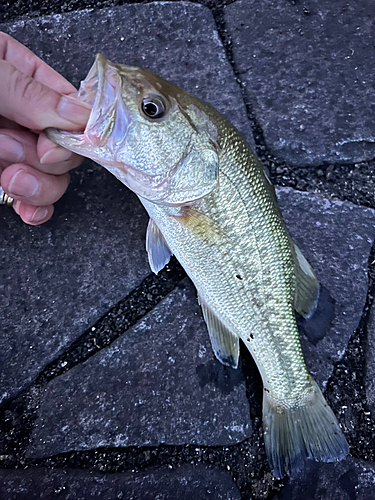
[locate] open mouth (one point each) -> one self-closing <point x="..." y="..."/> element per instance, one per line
<point x="101" y="89"/>
<point x="108" y="122"/>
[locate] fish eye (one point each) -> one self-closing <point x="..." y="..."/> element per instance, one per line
<point x="154" y="107"/>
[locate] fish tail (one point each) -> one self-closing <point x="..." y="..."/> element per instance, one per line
<point x="294" y="434"/>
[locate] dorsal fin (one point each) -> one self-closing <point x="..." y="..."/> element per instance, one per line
<point x="224" y="343"/>
<point x="157" y="249"/>
<point x="307" y="286"/>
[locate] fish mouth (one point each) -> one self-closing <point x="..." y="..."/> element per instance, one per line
<point x="108" y="120"/>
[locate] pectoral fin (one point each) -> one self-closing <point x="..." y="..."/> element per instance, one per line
<point x="156" y="247"/>
<point x="307" y="286"/>
<point x="224" y="343"/>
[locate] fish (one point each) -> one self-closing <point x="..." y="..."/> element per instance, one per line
<point x="212" y="205"/>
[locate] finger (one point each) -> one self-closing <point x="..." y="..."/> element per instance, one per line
<point x="31" y="214"/>
<point x="27" y="184"/>
<point x="21" y="146"/>
<point x="26" y="61"/>
<point x="11" y="149"/>
<point x="36" y="106"/>
<point x="55" y="159"/>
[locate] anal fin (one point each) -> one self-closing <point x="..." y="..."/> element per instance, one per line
<point x="224" y="343"/>
<point x="157" y="249"/>
<point x="307" y="286"/>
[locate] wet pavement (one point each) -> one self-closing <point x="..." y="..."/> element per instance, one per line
<point x="108" y="384"/>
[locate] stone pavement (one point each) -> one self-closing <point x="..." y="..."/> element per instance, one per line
<point x="108" y="384"/>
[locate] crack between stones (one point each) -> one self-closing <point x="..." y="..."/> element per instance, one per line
<point x="245" y="462"/>
<point x="136" y="459"/>
<point x="124" y="315"/>
<point x="345" y="182"/>
<point x="268" y="160"/>
<point x="18" y="415"/>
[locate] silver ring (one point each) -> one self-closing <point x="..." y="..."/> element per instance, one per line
<point x="5" y="199"/>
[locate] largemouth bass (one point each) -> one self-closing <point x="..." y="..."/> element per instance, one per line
<point x="212" y="205"/>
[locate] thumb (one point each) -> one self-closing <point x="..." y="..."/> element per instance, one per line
<point x="37" y="106"/>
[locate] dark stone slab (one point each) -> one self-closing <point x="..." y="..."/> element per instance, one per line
<point x="336" y="237"/>
<point x="370" y="362"/>
<point x="347" y="480"/>
<point x="184" y="483"/>
<point x="58" y="279"/>
<point x="158" y="383"/>
<point x="307" y="67"/>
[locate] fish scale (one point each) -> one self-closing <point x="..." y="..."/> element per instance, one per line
<point x="212" y="206"/>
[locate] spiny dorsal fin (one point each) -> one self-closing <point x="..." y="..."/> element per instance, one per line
<point x="156" y="247"/>
<point x="224" y="343"/>
<point x="307" y="286"/>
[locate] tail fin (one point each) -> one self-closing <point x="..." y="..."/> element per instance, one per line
<point x="292" y="435"/>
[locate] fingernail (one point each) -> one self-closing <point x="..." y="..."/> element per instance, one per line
<point x="74" y="110"/>
<point x="10" y="149"/>
<point x="23" y="184"/>
<point x="39" y="214"/>
<point x="56" y="155"/>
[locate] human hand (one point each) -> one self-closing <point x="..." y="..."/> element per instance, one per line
<point x="34" y="170"/>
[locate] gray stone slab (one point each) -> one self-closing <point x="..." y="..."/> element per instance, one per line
<point x="336" y="237"/>
<point x="184" y="483"/>
<point x="370" y="362"/>
<point x="158" y="383"/>
<point x="347" y="480"/>
<point x="308" y="72"/>
<point x="58" y="279"/>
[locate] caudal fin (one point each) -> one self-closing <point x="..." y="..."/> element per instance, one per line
<point x="294" y="434"/>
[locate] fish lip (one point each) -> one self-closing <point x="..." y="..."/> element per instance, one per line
<point x="107" y="98"/>
<point x="102" y="90"/>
